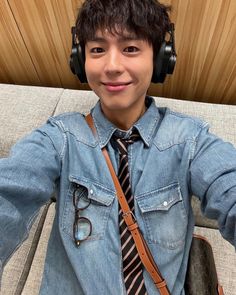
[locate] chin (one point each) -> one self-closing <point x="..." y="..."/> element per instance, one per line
<point x="117" y="102"/>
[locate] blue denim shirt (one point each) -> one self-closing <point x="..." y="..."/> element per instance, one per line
<point x="175" y="158"/>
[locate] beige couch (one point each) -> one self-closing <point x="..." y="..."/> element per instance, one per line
<point x="24" y="108"/>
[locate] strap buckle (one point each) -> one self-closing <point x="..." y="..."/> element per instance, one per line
<point x="130" y="222"/>
<point x="129" y="213"/>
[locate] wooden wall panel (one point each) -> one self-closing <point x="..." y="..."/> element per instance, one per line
<point x="205" y="41"/>
<point x="45" y="27"/>
<point x="15" y="60"/>
<point x="206" y="46"/>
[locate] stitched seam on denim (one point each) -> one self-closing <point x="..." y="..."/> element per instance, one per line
<point x="69" y="193"/>
<point x="94" y="182"/>
<point x="82" y="140"/>
<point x="159" y="241"/>
<point x="109" y="135"/>
<point x="62" y="152"/>
<point x="45" y="133"/>
<point x="196" y="121"/>
<point x="48" y="136"/>
<point x="168" y="145"/>
<point x="192" y="149"/>
<point x="130" y="164"/>
<point x="65" y="131"/>
<point x="151" y="239"/>
<point x="195" y="143"/>
<point x="151" y="132"/>
<point x="154" y="125"/>
<point x="162" y="189"/>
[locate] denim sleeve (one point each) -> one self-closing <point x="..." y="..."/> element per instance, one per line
<point x="27" y="181"/>
<point x="213" y="180"/>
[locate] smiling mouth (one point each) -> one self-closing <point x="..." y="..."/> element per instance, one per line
<point x="116" y="86"/>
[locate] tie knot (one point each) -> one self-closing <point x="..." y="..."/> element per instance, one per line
<point x="122" y="143"/>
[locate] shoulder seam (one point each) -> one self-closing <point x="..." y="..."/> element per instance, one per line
<point x="196" y="120"/>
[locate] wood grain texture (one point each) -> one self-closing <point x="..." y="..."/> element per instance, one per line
<point x="15" y="61"/>
<point x="205" y="42"/>
<point x="45" y="28"/>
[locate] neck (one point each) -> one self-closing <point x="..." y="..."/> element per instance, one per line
<point x="125" y="119"/>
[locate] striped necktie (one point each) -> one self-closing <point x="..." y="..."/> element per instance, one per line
<point x="132" y="265"/>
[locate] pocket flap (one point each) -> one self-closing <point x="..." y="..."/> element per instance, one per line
<point x="161" y="199"/>
<point x="96" y="191"/>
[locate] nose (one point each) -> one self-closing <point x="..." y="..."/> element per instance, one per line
<point x="114" y="62"/>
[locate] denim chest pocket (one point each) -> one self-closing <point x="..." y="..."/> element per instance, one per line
<point x="165" y="216"/>
<point x="99" y="200"/>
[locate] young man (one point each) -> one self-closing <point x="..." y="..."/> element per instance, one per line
<point x="172" y="157"/>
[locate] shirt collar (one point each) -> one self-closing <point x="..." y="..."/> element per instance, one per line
<point x="146" y="125"/>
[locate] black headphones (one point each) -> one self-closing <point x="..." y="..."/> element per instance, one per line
<point x="164" y="63"/>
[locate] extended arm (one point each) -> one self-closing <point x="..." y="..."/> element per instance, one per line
<point x="27" y="180"/>
<point x="213" y="180"/>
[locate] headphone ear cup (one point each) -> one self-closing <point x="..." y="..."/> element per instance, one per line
<point x="77" y="62"/>
<point x="157" y="76"/>
<point x="164" y="63"/>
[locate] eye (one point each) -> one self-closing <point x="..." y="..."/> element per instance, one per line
<point x="131" y="49"/>
<point x="97" y="50"/>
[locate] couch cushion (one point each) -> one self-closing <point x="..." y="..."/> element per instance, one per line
<point x="24" y="108"/>
<point x="76" y="101"/>
<point x="34" y="278"/>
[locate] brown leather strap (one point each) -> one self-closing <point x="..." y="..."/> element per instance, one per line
<point x="141" y="245"/>
<point x="220" y="290"/>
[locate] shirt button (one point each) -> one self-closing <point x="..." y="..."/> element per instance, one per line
<point x="91" y="192"/>
<point x="165" y="203"/>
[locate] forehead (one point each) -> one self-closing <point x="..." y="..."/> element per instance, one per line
<point x="118" y="34"/>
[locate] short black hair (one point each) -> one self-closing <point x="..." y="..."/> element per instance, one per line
<point x="148" y="19"/>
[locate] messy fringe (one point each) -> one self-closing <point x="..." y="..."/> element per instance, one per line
<point x="148" y="19"/>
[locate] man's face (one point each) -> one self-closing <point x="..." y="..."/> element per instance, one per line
<point x="119" y="70"/>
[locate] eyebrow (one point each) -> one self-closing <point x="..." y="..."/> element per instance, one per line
<point x="121" y="38"/>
